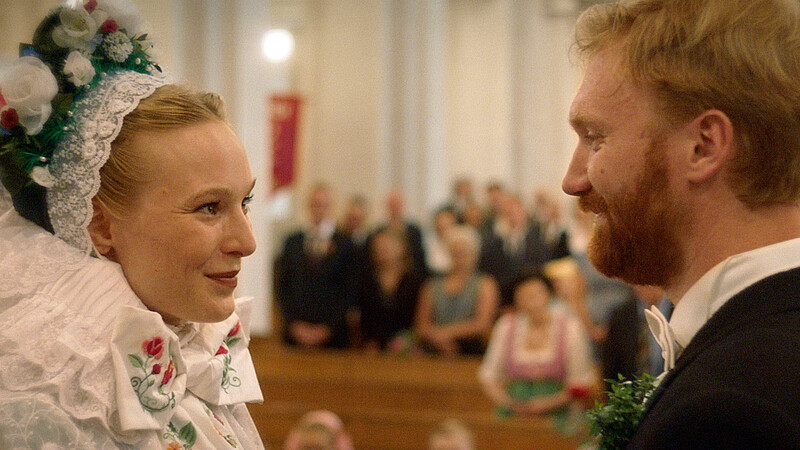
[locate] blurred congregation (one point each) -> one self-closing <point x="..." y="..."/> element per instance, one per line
<point x="490" y="274"/>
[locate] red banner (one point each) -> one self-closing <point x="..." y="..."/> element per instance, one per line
<point x="284" y="113"/>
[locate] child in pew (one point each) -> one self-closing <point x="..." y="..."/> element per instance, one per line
<point x="318" y="430"/>
<point x="451" y="434"/>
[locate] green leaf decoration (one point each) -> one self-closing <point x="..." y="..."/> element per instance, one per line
<point x="62" y="102"/>
<point x="615" y="422"/>
<point x="188" y="435"/>
<point x="135" y="361"/>
<point x="43" y="38"/>
<point x="233" y="341"/>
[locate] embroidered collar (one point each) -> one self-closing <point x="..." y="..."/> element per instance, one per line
<point x="154" y="366"/>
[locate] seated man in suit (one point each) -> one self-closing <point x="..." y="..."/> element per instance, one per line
<point x="688" y="124"/>
<point x="399" y="222"/>
<point x="313" y="279"/>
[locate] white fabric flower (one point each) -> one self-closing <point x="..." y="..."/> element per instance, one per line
<point x="117" y="46"/>
<point x="28" y="86"/>
<point x="78" y="68"/>
<point x="42" y="176"/>
<point x="123" y="12"/>
<point x="77" y="27"/>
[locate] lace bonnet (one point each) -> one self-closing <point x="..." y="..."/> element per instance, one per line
<point x="62" y="104"/>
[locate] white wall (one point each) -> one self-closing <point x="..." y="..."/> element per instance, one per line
<point x="379" y="114"/>
<point x="479" y="82"/>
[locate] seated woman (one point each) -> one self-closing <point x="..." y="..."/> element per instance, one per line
<point x="456" y="311"/>
<point x="118" y="324"/>
<point x="387" y="293"/>
<point x="538" y="360"/>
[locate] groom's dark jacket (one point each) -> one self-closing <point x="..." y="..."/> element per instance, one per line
<point x="737" y="383"/>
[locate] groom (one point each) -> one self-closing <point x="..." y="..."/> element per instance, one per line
<point x="688" y="124"/>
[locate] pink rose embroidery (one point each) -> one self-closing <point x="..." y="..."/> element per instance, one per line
<point x="152" y="395"/>
<point x="154" y="347"/>
<point x="168" y="373"/>
<point x="236" y="328"/>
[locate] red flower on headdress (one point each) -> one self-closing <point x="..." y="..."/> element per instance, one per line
<point x="168" y="373"/>
<point x="154" y="347"/>
<point x="2" y="100"/>
<point x="90" y="6"/>
<point x="9" y="118"/>
<point x="156" y="369"/>
<point x="109" y="26"/>
<point x="221" y="350"/>
<point x="235" y="329"/>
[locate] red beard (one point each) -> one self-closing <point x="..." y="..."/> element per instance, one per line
<point x="638" y="241"/>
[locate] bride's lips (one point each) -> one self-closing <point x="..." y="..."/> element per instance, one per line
<point x="227" y="279"/>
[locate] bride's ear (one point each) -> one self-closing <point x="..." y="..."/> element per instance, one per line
<point x="100" y="229"/>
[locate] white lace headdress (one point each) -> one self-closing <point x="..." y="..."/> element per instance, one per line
<point x="84" y="149"/>
<point x="62" y="104"/>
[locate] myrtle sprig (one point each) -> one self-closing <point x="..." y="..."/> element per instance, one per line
<point x="615" y="421"/>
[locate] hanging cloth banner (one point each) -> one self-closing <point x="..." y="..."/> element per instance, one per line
<point x="284" y="113"/>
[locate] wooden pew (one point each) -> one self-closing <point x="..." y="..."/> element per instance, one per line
<point x="385" y="402"/>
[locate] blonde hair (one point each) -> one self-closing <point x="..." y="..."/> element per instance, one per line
<point x="741" y="57"/>
<point x="465" y="234"/>
<point x="170" y="107"/>
<point x="452" y="430"/>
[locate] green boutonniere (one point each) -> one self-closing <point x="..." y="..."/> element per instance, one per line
<point x="615" y="422"/>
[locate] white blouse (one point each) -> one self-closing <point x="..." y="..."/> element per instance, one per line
<point x="579" y="366"/>
<point x="84" y="364"/>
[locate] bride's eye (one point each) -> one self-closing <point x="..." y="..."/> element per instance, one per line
<point x="246" y="203"/>
<point x="209" y="208"/>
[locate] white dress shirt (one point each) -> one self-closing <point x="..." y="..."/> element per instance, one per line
<point x="714" y="289"/>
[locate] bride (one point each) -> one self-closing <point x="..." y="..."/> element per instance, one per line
<point x="123" y="224"/>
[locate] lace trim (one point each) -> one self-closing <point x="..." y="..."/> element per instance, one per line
<point x="31" y="257"/>
<point x="37" y="422"/>
<point x="85" y="148"/>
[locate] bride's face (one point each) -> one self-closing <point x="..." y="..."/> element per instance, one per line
<point x="181" y="243"/>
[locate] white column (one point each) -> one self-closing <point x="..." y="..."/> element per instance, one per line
<point x="543" y="82"/>
<point x="413" y="154"/>
<point x="433" y="148"/>
<point x="213" y="31"/>
<point x="248" y="81"/>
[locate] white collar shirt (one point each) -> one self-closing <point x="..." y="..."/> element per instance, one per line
<point x="324" y="230"/>
<point x="714" y="289"/>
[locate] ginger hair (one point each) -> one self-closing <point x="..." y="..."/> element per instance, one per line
<point x="741" y="57"/>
